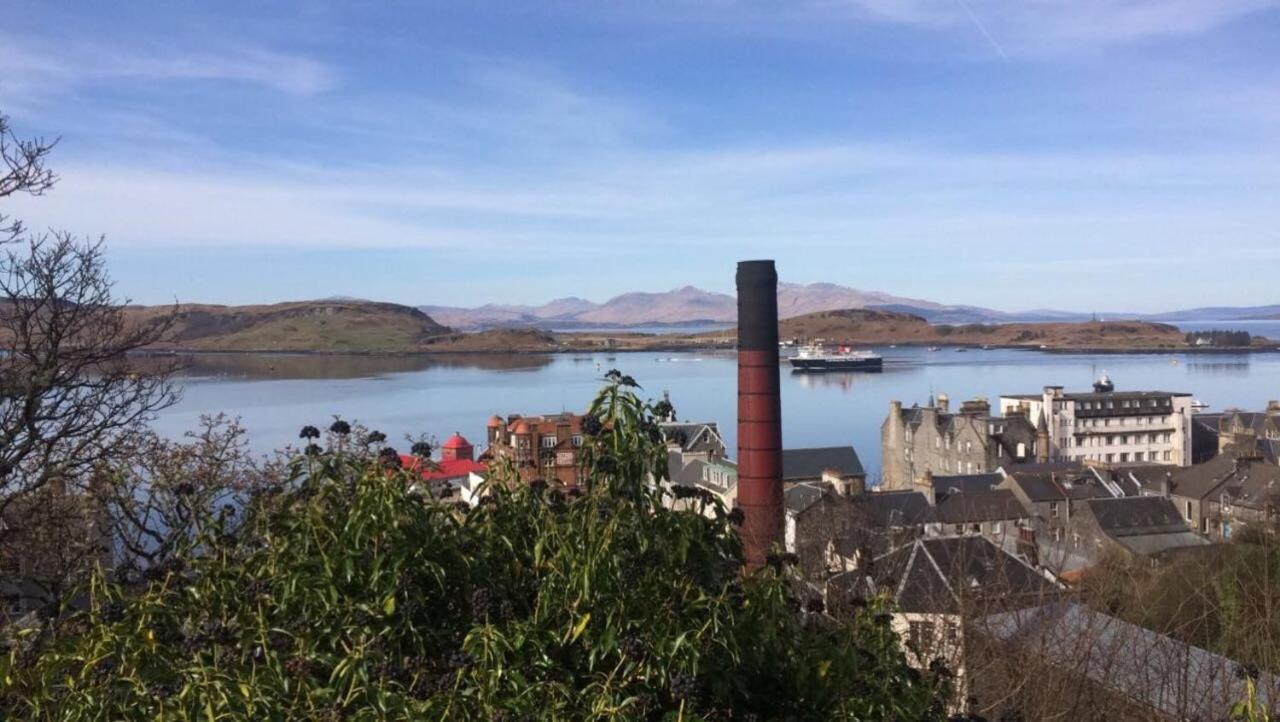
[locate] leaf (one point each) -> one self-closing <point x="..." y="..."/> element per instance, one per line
<point x="580" y="627"/>
<point x="823" y="667"/>
<point x="389" y="605"/>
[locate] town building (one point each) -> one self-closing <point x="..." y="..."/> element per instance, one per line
<point x="538" y="447"/>
<point x="717" y="477"/>
<point x="830" y="530"/>
<point x="693" y="440"/>
<point x="1223" y="495"/>
<point x="837" y="465"/>
<point x="932" y="440"/>
<point x="938" y="586"/>
<point x="995" y="514"/>
<point x="1148" y="528"/>
<point x="1052" y="493"/>
<point x="456" y="475"/>
<point x="1108" y="426"/>
<point x="1250" y="432"/>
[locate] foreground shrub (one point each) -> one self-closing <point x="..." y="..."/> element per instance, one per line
<point x="349" y="594"/>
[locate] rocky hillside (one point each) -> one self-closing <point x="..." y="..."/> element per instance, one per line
<point x="320" y="326"/>
<point x="867" y="326"/>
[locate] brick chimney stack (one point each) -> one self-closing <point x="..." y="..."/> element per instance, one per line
<point x="759" y="410"/>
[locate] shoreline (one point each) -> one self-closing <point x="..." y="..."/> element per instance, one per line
<point x="695" y="347"/>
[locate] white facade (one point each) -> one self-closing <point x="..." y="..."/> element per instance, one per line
<point x="1151" y="427"/>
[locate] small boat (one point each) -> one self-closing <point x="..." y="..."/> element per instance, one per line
<point x="934" y="348"/>
<point x="962" y="350"/>
<point x="893" y="345"/>
<point x="986" y="347"/>
<point x="818" y="358"/>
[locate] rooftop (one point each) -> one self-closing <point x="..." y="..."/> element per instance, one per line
<point x="811" y="463"/>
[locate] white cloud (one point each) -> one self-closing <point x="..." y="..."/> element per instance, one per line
<point x="1034" y="26"/>
<point x="40" y="67"/>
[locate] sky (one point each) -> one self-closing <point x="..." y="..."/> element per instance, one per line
<point x="1015" y="154"/>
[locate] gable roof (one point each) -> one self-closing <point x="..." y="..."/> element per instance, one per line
<point x="801" y="497"/>
<point x="935" y="575"/>
<point x="810" y="463"/>
<point x="980" y="506"/>
<point x="693" y="436"/>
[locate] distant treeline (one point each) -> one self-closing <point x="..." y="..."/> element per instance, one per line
<point x="1221" y="338"/>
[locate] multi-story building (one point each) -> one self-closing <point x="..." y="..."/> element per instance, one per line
<point x="931" y="440"/>
<point x="540" y="447"/>
<point x="1109" y="426"/>
<point x="1246" y="432"/>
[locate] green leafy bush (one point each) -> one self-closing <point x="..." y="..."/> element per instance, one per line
<point x="347" y="593"/>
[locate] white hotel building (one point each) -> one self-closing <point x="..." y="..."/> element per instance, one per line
<point x="1109" y="426"/>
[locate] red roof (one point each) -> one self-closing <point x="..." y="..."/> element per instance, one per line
<point x="495" y="421"/>
<point x="438" y="470"/>
<point x="457" y="441"/>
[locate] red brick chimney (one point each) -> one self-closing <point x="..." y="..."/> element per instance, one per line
<point x="759" y="410"/>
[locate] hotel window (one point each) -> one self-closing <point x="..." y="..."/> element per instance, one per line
<point x="1168" y="456"/>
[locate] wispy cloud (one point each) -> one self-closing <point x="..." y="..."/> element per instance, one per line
<point x="46" y="66"/>
<point x="1034" y="26"/>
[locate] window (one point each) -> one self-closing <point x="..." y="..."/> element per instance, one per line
<point x="1187" y="512"/>
<point x="920" y="635"/>
<point x="1053" y="509"/>
<point x="576" y="440"/>
<point x="549" y="442"/>
<point x="1168" y="456"/>
<point x="1022" y="450"/>
<point x="1139" y="456"/>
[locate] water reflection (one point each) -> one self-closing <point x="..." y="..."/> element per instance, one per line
<point x="285" y="366"/>
<point x="1233" y="367"/>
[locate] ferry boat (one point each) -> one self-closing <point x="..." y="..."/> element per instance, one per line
<point x="841" y="358"/>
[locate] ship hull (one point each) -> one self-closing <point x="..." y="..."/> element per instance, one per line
<point x="836" y="364"/>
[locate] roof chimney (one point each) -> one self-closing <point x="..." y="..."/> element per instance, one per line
<point x="759" y="410"/>
<point x="944" y="403"/>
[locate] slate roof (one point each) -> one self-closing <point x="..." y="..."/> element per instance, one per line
<point x="1145" y="525"/>
<point x="1041" y="483"/>
<point x="1176" y="679"/>
<point x="1197" y="482"/>
<point x="801" y="497"/>
<point x="810" y="463"/>
<point x="893" y="508"/>
<point x="980" y="506"/>
<point x="693" y="436"/>
<point x="935" y="575"/>
<point x="1136" y="515"/>
<point x="964" y="483"/>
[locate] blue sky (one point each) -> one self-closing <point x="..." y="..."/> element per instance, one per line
<point x="1073" y="154"/>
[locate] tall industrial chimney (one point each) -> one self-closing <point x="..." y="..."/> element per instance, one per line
<point x="759" y="410"/>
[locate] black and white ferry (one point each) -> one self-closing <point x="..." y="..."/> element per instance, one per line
<point x="840" y="358"/>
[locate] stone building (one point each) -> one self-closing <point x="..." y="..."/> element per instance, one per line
<point x="1223" y="495"/>
<point x="1249" y="432"/>
<point x="932" y="440"/>
<point x="540" y="447"/>
<point x="1109" y="426"/>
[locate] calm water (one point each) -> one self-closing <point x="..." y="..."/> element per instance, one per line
<point x="277" y="394"/>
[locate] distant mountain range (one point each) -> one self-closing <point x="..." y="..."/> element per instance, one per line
<point x="693" y="306"/>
